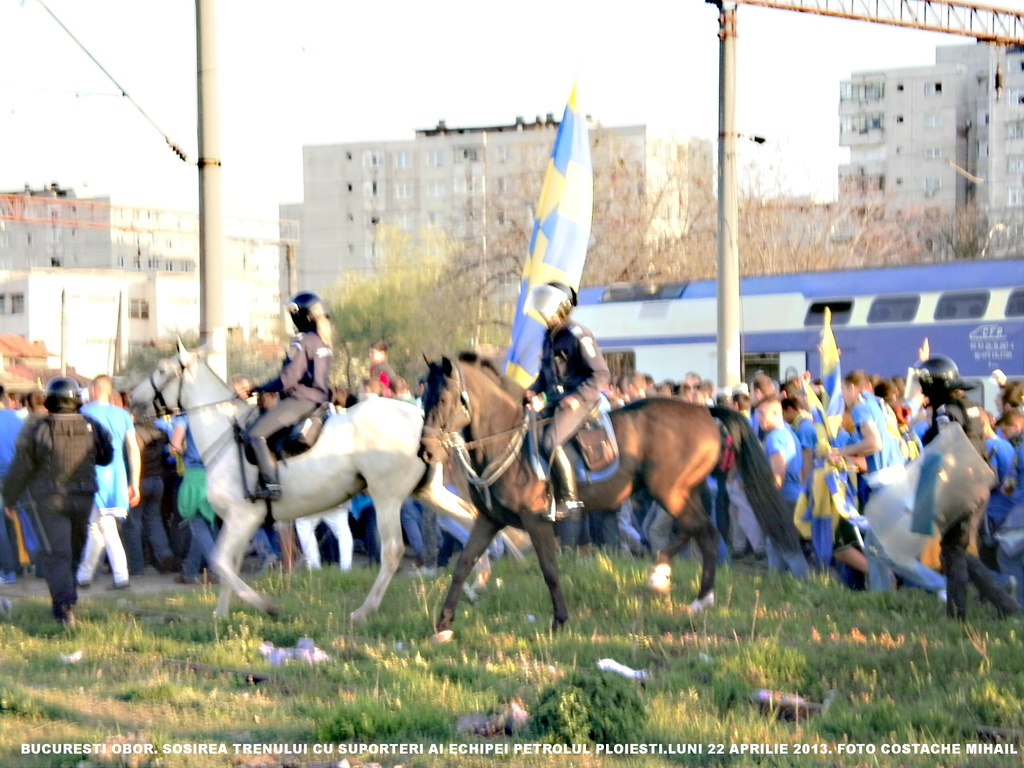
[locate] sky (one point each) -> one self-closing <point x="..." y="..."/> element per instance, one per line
<point x="322" y="71"/>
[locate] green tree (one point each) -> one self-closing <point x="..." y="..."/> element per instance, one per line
<point x="416" y="303"/>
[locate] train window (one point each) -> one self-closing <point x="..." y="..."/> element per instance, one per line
<point x="1015" y="304"/>
<point x="630" y="292"/>
<point x="893" y="309"/>
<point x="961" y="305"/>
<point x="841" y="311"/>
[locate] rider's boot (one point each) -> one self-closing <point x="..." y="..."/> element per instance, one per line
<point x="269" y="487"/>
<point x="568" y="504"/>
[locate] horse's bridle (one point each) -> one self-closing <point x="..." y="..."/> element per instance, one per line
<point x="450" y="438"/>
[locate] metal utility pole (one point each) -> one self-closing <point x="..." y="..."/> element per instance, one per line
<point x="212" y="326"/>
<point x="729" y="373"/>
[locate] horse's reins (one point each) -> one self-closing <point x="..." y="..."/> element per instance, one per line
<point x="158" y="401"/>
<point x="456" y="445"/>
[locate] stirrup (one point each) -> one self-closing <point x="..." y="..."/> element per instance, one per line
<point x="270" y="492"/>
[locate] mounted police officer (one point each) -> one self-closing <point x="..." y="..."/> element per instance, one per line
<point x="303" y="384"/>
<point x="572" y="374"/>
<point x="56" y="460"/>
<point x="941" y="384"/>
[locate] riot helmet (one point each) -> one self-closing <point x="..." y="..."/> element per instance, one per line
<point x="306" y="308"/>
<point x="939" y="376"/>
<point x="553" y="302"/>
<point x="62" y="395"/>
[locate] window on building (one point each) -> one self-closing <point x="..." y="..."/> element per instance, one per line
<point x="370" y="189"/>
<point x="932" y="184"/>
<point x="435" y="189"/>
<point x="403" y="159"/>
<point x="1015" y="163"/>
<point x="893" y="309"/>
<point x="933" y="152"/>
<point x="1015" y="304"/>
<point x="932" y="120"/>
<point x="962" y="305"/>
<point x="403" y="190"/>
<point x="373" y="159"/>
<point x="3" y="303"/>
<point x="504" y="184"/>
<point x="1016" y="98"/>
<point x="30" y="239"/>
<point x="1015" y="197"/>
<point x="932" y="89"/>
<point x="17" y="303"/>
<point x="459" y="185"/>
<point x="435" y="158"/>
<point x="861" y="123"/>
<point x="469" y="154"/>
<point x="862" y="91"/>
<point x="503" y="154"/>
<point x="841" y="311"/>
<point x="1015" y="131"/>
<point x="138" y="309"/>
<point x="434" y="218"/>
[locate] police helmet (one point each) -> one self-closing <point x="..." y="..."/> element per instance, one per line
<point x="940" y="374"/>
<point x="553" y="302"/>
<point x="62" y="395"/>
<point x="306" y="308"/>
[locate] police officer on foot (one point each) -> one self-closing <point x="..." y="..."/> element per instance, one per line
<point x="941" y="384"/>
<point x="568" y="388"/>
<point x="304" y="383"/>
<point x="56" y="461"/>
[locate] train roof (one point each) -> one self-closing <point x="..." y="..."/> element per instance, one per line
<point x="873" y="280"/>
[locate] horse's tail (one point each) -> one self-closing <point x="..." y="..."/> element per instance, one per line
<point x="772" y="514"/>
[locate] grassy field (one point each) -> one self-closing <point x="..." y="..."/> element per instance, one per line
<point x="904" y="676"/>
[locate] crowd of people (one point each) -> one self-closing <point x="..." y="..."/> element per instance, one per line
<point x="95" y="479"/>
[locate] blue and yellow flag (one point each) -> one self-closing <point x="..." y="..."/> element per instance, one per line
<point x="831" y="376"/>
<point x="561" y="232"/>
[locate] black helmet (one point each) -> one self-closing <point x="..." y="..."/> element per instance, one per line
<point x="940" y="374"/>
<point x="306" y="309"/>
<point x="553" y="302"/>
<point x="62" y="395"/>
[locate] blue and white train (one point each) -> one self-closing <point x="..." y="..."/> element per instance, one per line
<point x="971" y="311"/>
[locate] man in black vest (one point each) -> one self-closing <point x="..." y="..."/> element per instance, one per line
<point x="942" y="386"/>
<point x="56" y="462"/>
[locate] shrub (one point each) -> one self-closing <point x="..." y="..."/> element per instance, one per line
<point x="590" y="707"/>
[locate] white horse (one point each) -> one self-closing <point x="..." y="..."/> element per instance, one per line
<point x="372" y="446"/>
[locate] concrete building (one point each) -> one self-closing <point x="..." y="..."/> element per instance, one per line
<point x="96" y="280"/>
<point x="469" y="182"/>
<point x="943" y="137"/>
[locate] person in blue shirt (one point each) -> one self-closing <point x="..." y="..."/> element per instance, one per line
<point x="118" y="486"/>
<point x="1007" y="513"/>
<point x="11" y="422"/>
<point x="787" y="465"/>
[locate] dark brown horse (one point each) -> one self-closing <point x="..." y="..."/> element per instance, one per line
<point x="476" y="416"/>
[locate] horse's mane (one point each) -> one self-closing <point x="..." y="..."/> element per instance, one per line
<point x="493" y="372"/>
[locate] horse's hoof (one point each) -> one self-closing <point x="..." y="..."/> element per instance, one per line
<point x="443" y="636"/>
<point x="271" y="609"/>
<point x="701" y="603"/>
<point x="660" y="579"/>
<point x="357" y="617"/>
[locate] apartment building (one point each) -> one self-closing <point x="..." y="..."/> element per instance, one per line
<point x="96" y="280"/>
<point x="942" y="137"/>
<point x="470" y="182"/>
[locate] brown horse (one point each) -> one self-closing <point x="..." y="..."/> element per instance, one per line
<point x="476" y="416"/>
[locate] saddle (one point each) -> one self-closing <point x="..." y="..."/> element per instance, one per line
<point x="593" y="450"/>
<point x="297" y="439"/>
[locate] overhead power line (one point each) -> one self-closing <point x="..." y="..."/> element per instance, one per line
<point x="177" y="150"/>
